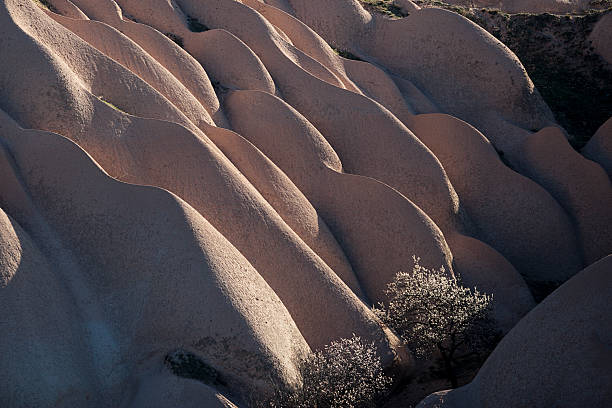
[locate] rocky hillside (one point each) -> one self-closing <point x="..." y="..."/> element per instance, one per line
<point x="557" y="52"/>
<point x="197" y="196"/>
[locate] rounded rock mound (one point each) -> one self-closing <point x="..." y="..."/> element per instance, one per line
<point x="559" y="355"/>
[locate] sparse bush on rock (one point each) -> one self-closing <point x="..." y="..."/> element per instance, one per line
<point x="385" y="7"/>
<point x="434" y="313"/>
<point x="345" y="374"/>
<point x="197" y="196"/>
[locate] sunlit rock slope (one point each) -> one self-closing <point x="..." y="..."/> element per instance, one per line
<point x="208" y="183"/>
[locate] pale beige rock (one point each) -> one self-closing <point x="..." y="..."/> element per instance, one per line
<point x="283" y="138"/>
<point x="419" y="48"/>
<point x="287" y="138"/>
<point x="230" y="61"/>
<point x="356" y="208"/>
<point x="279" y="4"/>
<point x="282" y="34"/>
<point x="44" y="354"/>
<point x="201" y="175"/>
<point x="485" y="269"/>
<point x="195" y="10"/>
<point x="430" y="36"/>
<point x="102" y="10"/>
<point x="406" y="6"/>
<point x="135" y="302"/>
<point x="68" y="9"/>
<point x="381" y="243"/>
<point x="413" y="96"/>
<point x="558" y="355"/>
<point x="247" y="248"/>
<point x="340" y="22"/>
<point x="304" y="38"/>
<point x="509" y="212"/>
<point x="421" y="179"/>
<point x="123" y="50"/>
<point x="158" y="13"/>
<point x="599" y="148"/>
<point x="376" y="84"/>
<point x="176" y="60"/>
<point x="581" y="187"/>
<point x="95" y="72"/>
<point x="287" y="200"/>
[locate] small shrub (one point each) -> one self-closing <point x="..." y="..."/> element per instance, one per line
<point x="345" y="374"/>
<point x="433" y="312"/>
<point x="384" y="7"/>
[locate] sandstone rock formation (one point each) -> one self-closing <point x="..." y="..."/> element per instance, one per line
<point x="599" y="148"/>
<point x="209" y="179"/>
<point x="558" y="355"/>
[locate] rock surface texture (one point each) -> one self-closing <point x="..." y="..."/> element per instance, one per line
<point x="559" y="355"/>
<point x="196" y="194"/>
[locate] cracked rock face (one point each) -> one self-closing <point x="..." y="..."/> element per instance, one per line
<point x="195" y="194"/>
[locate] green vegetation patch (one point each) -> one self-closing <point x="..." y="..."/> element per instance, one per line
<point x="385" y="7"/>
<point x="101" y="98"/>
<point x="464" y="11"/>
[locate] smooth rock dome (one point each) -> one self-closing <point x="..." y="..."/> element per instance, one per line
<point x="558" y="355"/>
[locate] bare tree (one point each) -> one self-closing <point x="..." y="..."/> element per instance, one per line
<point x="432" y="312"/>
<point x="345" y="374"/>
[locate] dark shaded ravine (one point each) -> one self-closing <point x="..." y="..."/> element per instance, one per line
<point x="555" y="49"/>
